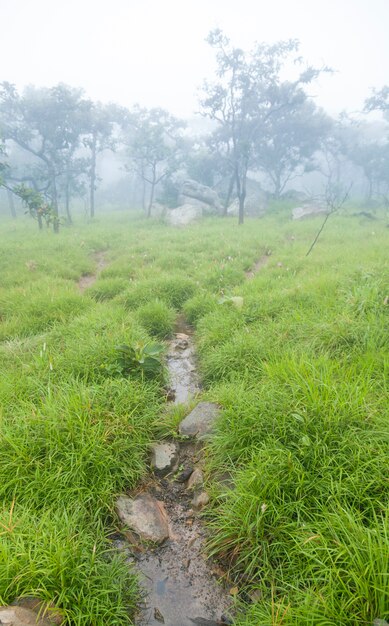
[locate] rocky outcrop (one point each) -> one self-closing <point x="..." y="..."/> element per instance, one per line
<point x="200" y="193"/>
<point x="183" y="215"/>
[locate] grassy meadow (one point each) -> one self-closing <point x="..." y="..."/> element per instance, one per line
<point x="300" y="371"/>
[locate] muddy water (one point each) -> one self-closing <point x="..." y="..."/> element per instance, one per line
<point x="180" y="587"/>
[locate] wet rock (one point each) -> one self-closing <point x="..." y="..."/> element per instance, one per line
<point x="183" y="477"/>
<point x="196" y="479"/>
<point x="164" y="458"/>
<point x="200" y="421"/>
<point x="19" y="616"/>
<point x="39" y="606"/>
<point x="144" y="515"/>
<point x="182" y="344"/>
<point x="200" y="500"/>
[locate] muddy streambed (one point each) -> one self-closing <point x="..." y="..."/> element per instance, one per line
<point x="179" y="586"/>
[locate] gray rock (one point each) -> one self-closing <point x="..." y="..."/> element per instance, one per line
<point x="200" y="500"/>
<point x="201" y="193"/>
<point x="164" y="457"/>
<point x="380" y="622"/>
<point x="19" y="616"/>
<point x="200" y="421"/>
<point x="196" y="479"/>
<point x="184" y="215"/>
<point x="144" y="515"/>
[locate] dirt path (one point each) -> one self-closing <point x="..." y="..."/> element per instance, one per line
<point x="258" y="265"/>
<point x="89" y="279"/>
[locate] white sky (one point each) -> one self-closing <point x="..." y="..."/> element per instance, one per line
<point x="153" y="51"/>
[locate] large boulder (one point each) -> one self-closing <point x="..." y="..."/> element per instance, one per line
<point x="202" y="193"/>
<point x="184" y="215"/>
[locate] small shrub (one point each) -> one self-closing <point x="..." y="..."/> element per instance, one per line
<point x="157" y="318"/>
<point x="198" y="306"/>
<point x="107" y="289"/>
<point x="145" y="357"/>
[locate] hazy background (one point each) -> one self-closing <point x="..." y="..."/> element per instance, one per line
<point x="153" y="52"/>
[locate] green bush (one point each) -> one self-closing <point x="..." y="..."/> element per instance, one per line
<point x="107" y="288"/>
<point x="157" y="318"/>
<point x="198" y="306"/>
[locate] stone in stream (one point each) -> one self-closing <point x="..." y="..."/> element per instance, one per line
<point x="19" y="616"/>
<point x="200" y="421"/>
<point x="144" y="515"/>
<point x="164" y="458"/>
<point x="200" y="500"/>
<point x="196" y="479"/>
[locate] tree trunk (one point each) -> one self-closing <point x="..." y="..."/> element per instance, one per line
<point x="277" y="187"/>
<point x="11" y="203"/>
<point x="229" y="194"/>
<point x="240" y="180"/>
<point x="151" y="193"/>
<point x="143" y="195"/>
<point x="40" y="225"/>
<point x="67" y="201"/>
<point x="55" y="203"/>
<point x="93" y="175"/>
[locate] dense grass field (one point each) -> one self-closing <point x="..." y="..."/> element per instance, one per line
<point x="300" y="371"/>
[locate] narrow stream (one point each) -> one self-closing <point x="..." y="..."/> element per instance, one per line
<point x="180" y="587"/>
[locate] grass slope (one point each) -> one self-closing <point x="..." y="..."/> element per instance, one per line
<point x="300" y="371"/>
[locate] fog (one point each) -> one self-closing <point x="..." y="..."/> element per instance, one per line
<point x="131" y="104"/>
<point x="153" y="52"/>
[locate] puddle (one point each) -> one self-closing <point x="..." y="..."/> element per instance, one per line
<point x="89" y="279"/>
<point x="181" y="364"/>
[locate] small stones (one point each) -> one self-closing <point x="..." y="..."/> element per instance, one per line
<point x="196" y="479"/>
<point x="200" y="500"/>
<point x="145" y="515"/>
<point x="200" y="421"/>
<point x="164" y="458"/>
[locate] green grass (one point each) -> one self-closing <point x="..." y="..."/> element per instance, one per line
<point x="300" y="370"/>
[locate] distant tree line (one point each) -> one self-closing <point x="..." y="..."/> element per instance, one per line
<point x="261" y="125"/>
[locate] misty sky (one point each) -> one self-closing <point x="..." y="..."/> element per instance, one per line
<point x="153" y="51"/>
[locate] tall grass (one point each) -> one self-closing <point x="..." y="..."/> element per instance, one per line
<point x="301" y="373"/>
